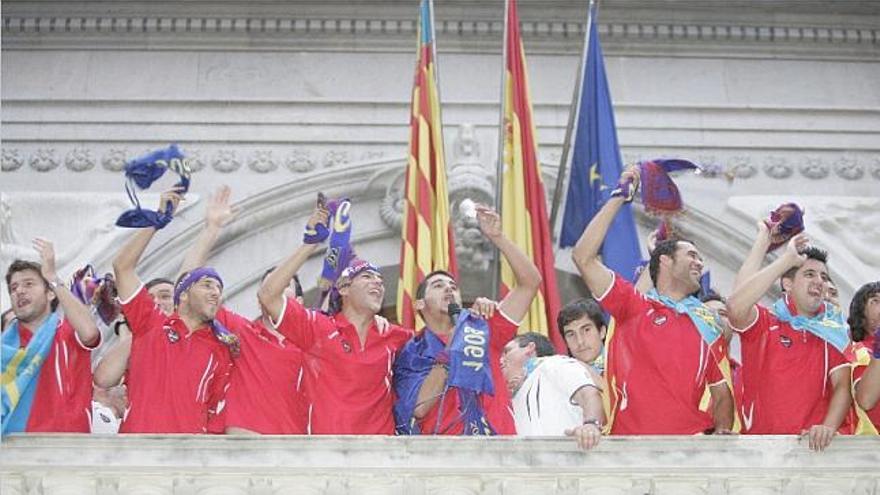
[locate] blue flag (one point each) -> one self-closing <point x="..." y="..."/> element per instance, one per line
<point x="596" y="167"/>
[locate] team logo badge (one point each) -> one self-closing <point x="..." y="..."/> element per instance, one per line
<point x="346" y="346"/>
<point x="785" y="340"/>
<point x="659" y="320"/>
<point x="172" y="334"/>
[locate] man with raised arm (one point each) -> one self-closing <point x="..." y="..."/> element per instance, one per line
<point x="47" y="378"/>
<point x="448" y="378"/>
<point x="180" y="364"/>
<point x="347" y="355"/>
<point x="795" y="377"/>
<point x="666" y="347"/>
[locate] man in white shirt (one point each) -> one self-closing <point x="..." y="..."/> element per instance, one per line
<point x="553" y="395"/>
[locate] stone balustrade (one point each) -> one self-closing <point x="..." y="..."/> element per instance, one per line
<point x="104" y="465"/>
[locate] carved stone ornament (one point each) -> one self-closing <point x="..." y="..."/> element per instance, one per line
<point x="336" y="157"/>
<point x="79" y="160"/>
<point x="300" y="161"/>
<point x="194" y="159"/>
<point x="814" y="167"/>
<point x="741" y="167"/>
<point x="875" y="169"/>
<point x="114" y="160"/>
<point x="12" y="160"/>
<point x="777" y="167"/>
<point x="262" y="161"/>
<point x="43" y="160"/>
<point x="710" y="167"/>
<point x="848" y="168"/>
<point x="371" y="155"/>
<point x="226" y="161"/>
<point x="391" y="207"/>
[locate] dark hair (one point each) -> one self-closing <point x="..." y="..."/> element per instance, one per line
<point x="23" y="265"/>
<point x="667" y="247"/>
<point x="158" y="281"/>
<point x="857" y="321"/>
<point x="423" y="285"/>
<point x="297" y="286"/>
<point x="812" y="253"/>
<point x="712" y="295"/>
<point x="576" y="310"/>
<point x="543" y="347"/>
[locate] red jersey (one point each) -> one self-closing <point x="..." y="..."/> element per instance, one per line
<point x="658" y="366"/>
<point x="863" y="353"/>
<point x="348" y="385"/>
<point x="63" y="398"/>
<point x="786" y="376"/>
<point x="266" y="390"/>
<point x="497" y="408"/>
<point x="176" y="379"/>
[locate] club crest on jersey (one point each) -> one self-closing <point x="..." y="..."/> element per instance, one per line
<point x="785" y="340"/>
<point x="659" y="320"/>
<point x="346" y="346"/>
<point x="172" y="334"/>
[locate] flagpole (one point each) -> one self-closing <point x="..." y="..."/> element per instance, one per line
<point x="571" y="128"/>
<point x="499" y="173"/>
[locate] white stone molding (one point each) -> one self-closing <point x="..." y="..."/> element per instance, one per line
<point x="875" y="168"/>
<point x="777" y="167"/>
<point x="79" y="159"/>
<point x="814" y="168"/>
<point x="115" y="159"/>
<point x="226" y="160"/>
<point x="300" y="161"/>
<point x="262" y="161"/>
<point x="43" y="160"/>
<point x="741" y="167"/>
<point x="355" y="465"/>
<point x="11" y="160"/>
<point x="848" y="168"/>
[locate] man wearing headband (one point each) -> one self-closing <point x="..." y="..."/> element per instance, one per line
<point x="666" y="347"/>
<point x="795" y="377"/>
<point x="432" y="400"/>
<point x="46" y="358"/>
<point x="180" y="363"/>
<point x="348" y="359"/>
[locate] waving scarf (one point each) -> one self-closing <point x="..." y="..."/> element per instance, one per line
<point x="339" y="253"/>
<point x="21" y="367"/>
<point x="141" y="174"/>
<point x="469" y="374"/>
<point x="828" y="325"/>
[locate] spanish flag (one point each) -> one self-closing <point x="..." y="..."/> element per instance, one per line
<point x="523" y="207"/>
<point x="427" y="242"/>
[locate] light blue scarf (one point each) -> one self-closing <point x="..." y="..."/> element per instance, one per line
<point x="828" y="325"/>
<point x="21" y="367"/>
<point x="701" y="316"/>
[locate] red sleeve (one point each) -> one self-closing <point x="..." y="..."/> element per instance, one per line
<point x="232" y="321"/>
<point x="622" y="300"/>
<point x="68" y="334"/>
<point x="142" y="313"/>
<point x="298" y="323"/>
<point x="501" y="330"/>
<point x="714" y="374"/>
<point x="761" y="325"/>
<point x="836" y="359"/>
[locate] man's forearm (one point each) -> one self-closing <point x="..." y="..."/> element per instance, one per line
<point x="587" y="247"/>
<point x="78" y="315"/>
<point x="524" y="269"/>
<point x="430" y="391"/>
<point x="744" y="297"/>
<point x="112" y="367"/>
<point x="589" y="398"/>
<point x="271" y="291"/>
<point x="868" y="388"/>
<point x="198" y="254"/>
<point x="752" y="264"/>
<point x="841" y="398"/>
<point x="722" y="409"/>
<point x="126" y="261"/>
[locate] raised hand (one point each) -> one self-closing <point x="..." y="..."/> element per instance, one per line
<point x="173" y="197"/>
<point x="489" y="221"/>
<point x="47" y="258"/>
<point x="484" y="307"/>
<point x="219" y="212"/>
<point x="795" y="248"/>
<point x="316" y="230"/>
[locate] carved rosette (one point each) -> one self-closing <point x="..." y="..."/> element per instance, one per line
<point x="262" y="161"/>
<point x="777" y="167"/>
<point x="848" y="168"/>
<point x="79" y="160"/>
<point x="391" y="207"/>
<point x="195" y="159"/>
<point x="300" y="161"/>
<point x="741" y="167"/>
<point x="12" y="160"/>
<point x="336" y="157"/>
<point x="43" y="160"/>
<point x="226" y="161"/>
<point x="710" y="166"/>
<point x="814" y="168"/>
<point x="114" y="160"/>
<point x="875" y="169"/>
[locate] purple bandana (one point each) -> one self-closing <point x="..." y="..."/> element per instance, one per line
<point x="354" y="269"/>
<point x="193" y="277"/>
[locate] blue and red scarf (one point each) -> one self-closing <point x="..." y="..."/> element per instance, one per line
<point x="21" y="368"/>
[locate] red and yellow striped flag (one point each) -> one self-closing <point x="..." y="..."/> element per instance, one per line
<point x="523" y="207"/>
<point x="427" y="241"/>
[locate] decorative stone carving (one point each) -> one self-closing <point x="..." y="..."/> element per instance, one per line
<point x="875" y="169"/>
<point x="12" y="160"/>
<point x="79" y="160"/>
<point x="854" y="224"/>
<point x="777" y="167"/>
<point x="226" y="161"/>
<point x="469" y="178"/>
<point x="741" y="167"/>
<point x="335" y="157"/>
<point x="710" y="166"/>
<point x="371" y="155"/>
<point x="115" y="159"/>
<point x="262" y="161"/>
<point x="848" y="168"/>
<point x="814" y="167"/>
<point x="300" y="161"/>
<point x="44" y="160"/>
<point x="195" y="159"/>
<point x="391" y="208"/>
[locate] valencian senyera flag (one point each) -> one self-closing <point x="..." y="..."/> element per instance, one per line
<point x="523" y="207"/>
<point x="427" y="239"/>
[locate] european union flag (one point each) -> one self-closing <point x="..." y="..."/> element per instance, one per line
<point x="596" y="167"/>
